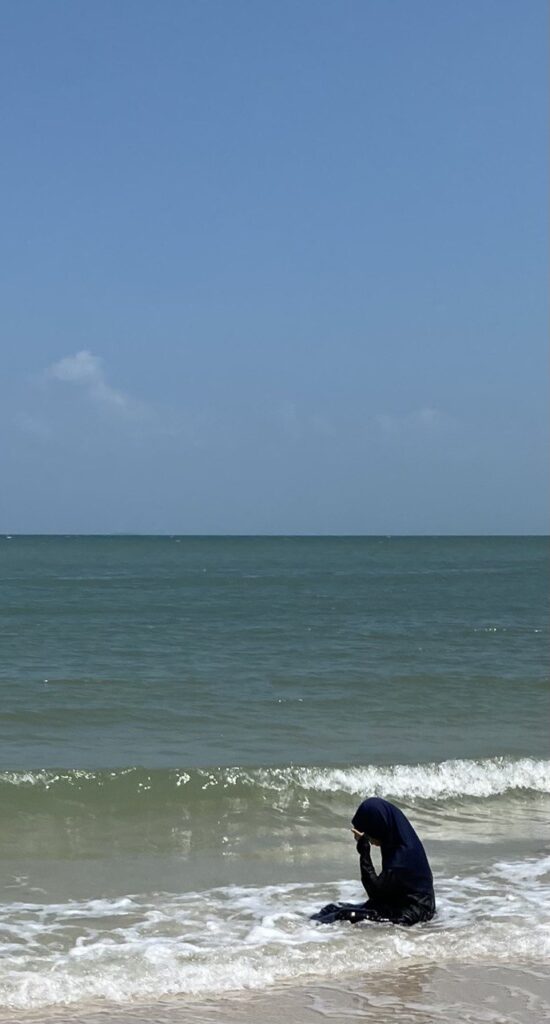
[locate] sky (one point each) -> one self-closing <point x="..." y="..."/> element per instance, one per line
<point x="274" y="267"/>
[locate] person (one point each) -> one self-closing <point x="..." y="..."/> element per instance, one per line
<point x="403" y="892"/>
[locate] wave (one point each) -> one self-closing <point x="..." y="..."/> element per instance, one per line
<point x="433" y="781"/>
<point x="236" y="937"/>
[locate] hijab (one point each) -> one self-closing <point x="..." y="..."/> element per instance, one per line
<point x="401" y="848"/>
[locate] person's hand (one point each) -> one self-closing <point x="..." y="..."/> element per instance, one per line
<point x="361" y="840"/>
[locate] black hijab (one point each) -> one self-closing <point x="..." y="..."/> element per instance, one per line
<point x="401" y="848"/>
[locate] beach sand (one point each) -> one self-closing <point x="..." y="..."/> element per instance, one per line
<point x="492" y="993"/>
<point x="189" y="729"/>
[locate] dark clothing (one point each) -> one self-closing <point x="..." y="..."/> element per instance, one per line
<point x="402" y="851"/>
<point x="403" y="892"/>
<point x="391" y="894"/>
<point x="422" y="909"/>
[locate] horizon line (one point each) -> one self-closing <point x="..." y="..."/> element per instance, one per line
<point x="6" y="535"/>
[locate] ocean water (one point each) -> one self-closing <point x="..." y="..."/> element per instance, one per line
<point x="188" y="725"/>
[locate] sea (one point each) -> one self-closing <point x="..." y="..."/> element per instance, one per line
<point x="189" y="723"/>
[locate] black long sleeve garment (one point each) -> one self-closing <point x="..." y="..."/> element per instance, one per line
<point x="403" y="892"/>
<point x="382" y="888"/>
<point x="390" y="899"/>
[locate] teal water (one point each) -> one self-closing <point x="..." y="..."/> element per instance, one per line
<point x="197" y="651"/>
<point x="188" y="724"/>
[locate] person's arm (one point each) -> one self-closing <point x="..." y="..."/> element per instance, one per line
<point x="376" y="886"/>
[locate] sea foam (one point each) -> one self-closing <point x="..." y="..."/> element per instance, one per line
<point x="433" y="781"/>
<point x="237" y="937"/>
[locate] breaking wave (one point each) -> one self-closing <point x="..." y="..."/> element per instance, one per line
<point x="433" y="781"/>
<point x="243" y="937"/>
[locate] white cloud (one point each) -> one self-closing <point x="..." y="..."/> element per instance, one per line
<point x="297" y="423"/>
<point x="425" y="418"/>
<point x="428" y="415"/>
<point x="86" y="370"/>
<point x="33" y="426"/>
<point x="82" y="366"/>
<point x="139" y="419"/>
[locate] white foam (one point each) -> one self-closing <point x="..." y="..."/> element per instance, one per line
<point x="236" y="937"/>
<point x="523" y="871"/>
<point x="435" y="781"/>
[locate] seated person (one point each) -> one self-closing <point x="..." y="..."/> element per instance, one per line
<point x="403" y="892"/>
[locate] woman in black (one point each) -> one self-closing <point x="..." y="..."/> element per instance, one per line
<point x="403" y="892"/>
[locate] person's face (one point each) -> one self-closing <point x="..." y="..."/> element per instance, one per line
<point x="359" y="835"/>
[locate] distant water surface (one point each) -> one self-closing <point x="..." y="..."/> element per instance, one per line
<point x="187" y="725"/>
<point x="195" y="651"/>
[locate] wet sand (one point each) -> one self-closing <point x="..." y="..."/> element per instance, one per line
<point x="492" y="993"/>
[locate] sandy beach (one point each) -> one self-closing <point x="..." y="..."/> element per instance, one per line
<point x="178" y="784"/>
<point x="461" y="993"/>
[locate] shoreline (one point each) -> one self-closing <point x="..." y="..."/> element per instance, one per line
<point x="458" y="993"/>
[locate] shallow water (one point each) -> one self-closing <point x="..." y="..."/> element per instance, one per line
<point x="188" y="725"/>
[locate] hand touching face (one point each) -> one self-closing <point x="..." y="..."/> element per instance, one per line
<point x="359" y="835"/>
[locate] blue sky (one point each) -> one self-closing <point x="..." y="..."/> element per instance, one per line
<point x="274" y="267"/>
